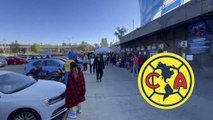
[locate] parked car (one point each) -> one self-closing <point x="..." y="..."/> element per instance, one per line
<point x="47" y="64"/>
<point x="39" y="73"/>
<point x="64" y="57"/>
<point x="26" y="57"/>
<point x="15" y="60"/>
<point x="3" y="62"/>
<point x="3" y="57"/>
<point x="61" y="58"/>
<point x="24" y="98"/>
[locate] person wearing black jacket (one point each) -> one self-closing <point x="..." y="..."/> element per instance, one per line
<point x="99" y="65"/>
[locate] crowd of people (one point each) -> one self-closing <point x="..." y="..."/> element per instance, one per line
<point x="96" y="63"/>
<point x="130" y="61"/>
<point x="133" y="62"/>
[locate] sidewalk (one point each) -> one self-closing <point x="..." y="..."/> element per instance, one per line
<point x="118" y="98"/>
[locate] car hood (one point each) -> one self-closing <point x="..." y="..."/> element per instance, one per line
<point x="43" y="89"/>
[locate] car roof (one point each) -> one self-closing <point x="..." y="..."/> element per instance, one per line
<point x="60" y="58"/>
<point x="21" y="55"/>
<point x="5" y="72"/>
<point x="55" y="59"/>
<point x="46" y="59"/>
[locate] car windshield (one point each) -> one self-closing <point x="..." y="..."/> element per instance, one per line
<point x="60" y="61"/>
<point x="64" y="57"/>
<point x="1" y="57"/>
<point x="21" y="56"/>
<point x="12" y="82"/>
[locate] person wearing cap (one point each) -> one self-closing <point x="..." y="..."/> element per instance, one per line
<point x="75" y="85"/>
<point x="72" y="58"/>
<point x="75" y="90"/>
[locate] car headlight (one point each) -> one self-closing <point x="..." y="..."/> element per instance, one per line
<point x="46" y="102"/>
<point x="54" y="99"/>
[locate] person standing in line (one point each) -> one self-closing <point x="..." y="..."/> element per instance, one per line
<point x="75" y="90"/>
<point x="135" y="67"/>
<point x="99" y="65"/>
<point x="107" y="60"/>
<point x="72" y="58"/>
<point x="140" y="61"/>
<point x="85" y="62"/>
<point x="80" y="61"/>
<point x="91" y="64"/>
<point x="130" y="58"/>
<point x="114" y="59"/>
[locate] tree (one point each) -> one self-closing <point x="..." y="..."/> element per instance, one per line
<point x="58" y="49"/>
<point x="69" y="44"/>
<point x="96" y="45"/>
<point x="74" y="46"/>
<point x="84" y="46"/>
<point x="120" y="32"/>
<point x="36" y="47"/>
<point x="1" y="51"/>
<point x="104" y="42"/>
<point x="23" y="50"/>
<point x="64" y="44"/>
<point x="15" y="47"/>
<point x="111" y="44"/>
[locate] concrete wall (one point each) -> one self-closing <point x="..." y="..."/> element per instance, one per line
<point x="186" y="12"/>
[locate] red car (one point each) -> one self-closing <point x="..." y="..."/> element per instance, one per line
<point x="15" y="60"/>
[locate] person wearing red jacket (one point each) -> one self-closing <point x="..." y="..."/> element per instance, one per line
<point x="75" y="90"/>
<point x="141" y="60"/>
<point x="135" y="68"/>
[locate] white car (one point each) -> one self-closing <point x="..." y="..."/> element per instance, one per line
<point x="24" y="98"/>
<point x="3" y="62"/>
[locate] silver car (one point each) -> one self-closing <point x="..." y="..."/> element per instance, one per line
<point x="3" y="62"/>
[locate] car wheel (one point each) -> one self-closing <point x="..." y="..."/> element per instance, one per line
<point x="14" y="63"/>
<point x="25" y="114"/>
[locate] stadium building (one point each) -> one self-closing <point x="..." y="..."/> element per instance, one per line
<point x="184" y="27"/>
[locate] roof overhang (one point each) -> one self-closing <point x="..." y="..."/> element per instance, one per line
<point x="186" y="12"/>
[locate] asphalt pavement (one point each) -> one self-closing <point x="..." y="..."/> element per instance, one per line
<point x="14" y="68"/>
<point x="118" y="98"/>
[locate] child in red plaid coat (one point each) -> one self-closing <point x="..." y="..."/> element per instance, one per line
<point x="75" y="90"/>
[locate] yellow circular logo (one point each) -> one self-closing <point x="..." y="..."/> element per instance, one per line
<point x="166" y="80"/>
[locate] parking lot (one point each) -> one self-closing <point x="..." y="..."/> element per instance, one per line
<point x="14" y="68"/>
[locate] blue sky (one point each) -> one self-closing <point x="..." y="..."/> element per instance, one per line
<point x="70" y="21"/>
